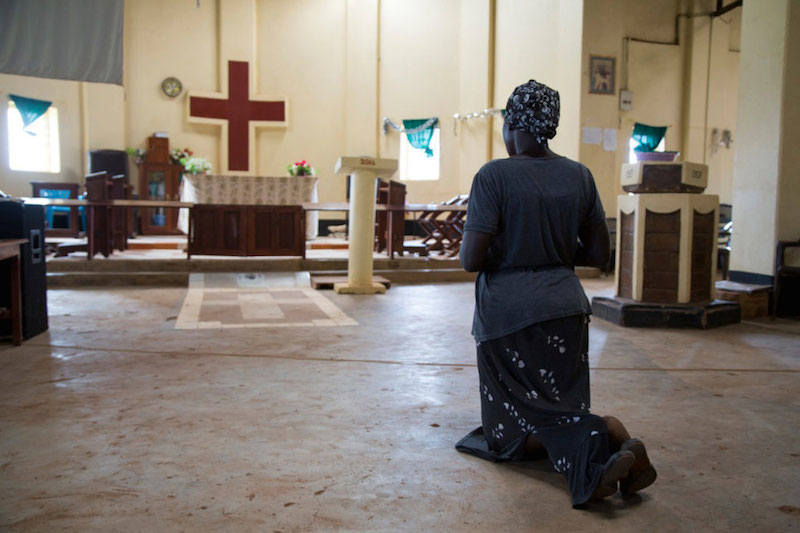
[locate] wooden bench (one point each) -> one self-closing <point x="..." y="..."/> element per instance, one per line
<point x="52" y="189"/>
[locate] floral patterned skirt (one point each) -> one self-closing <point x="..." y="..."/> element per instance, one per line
<point x="535" y="381"/>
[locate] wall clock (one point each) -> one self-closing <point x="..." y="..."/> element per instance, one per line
<point x="172" y="87"/>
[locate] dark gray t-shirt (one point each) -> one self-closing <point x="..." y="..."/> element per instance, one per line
<point x="533" y="208"/>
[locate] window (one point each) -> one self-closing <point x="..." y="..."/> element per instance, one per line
<point x="414" y="164"/>
<point x="632" y="153"/>
<point x="34" y="150"/>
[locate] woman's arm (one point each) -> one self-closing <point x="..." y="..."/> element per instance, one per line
<point x="594" y="248"/>
<point x="474" y="252"/>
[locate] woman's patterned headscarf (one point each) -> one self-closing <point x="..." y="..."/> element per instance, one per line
<point x="534" y="107"/>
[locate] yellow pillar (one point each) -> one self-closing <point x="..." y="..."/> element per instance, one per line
<point x="363" y="174"/>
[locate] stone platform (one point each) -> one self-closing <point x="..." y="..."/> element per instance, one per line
<point x="161" y="261"/>
<point x="629" y="313"/>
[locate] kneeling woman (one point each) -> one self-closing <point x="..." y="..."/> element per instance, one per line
<point x="531" y="218"/>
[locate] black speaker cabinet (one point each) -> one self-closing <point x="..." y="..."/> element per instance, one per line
<point x="20" y="221"/>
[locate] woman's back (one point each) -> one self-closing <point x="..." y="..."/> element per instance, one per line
<point x="532" y="208"/>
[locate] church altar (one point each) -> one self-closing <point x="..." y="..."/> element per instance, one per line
<point x="249" y="190"/>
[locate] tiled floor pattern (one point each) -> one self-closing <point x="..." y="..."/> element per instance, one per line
<point x="265" y="300"/>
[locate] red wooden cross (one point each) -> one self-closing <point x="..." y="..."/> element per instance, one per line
<point x="238" y="110"/>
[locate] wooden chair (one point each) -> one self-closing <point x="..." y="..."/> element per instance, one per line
<point x="390" y="225"/>
<point x="49" y="189"/>
<point x="99" y="238"/>
<point x="98" y="217"/>
<point x="782" y="270"/>
<point x="444" y="229"/>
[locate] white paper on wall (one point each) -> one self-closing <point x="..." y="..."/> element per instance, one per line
<point x="610" y="140"/>
<point x="592" y="136"/>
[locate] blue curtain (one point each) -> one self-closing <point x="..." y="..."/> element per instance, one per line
<point x="29" y="108"/>
<point x="422" y="138"/>
<point x="647" y="137"/>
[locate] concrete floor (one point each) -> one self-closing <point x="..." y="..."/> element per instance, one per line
<point x="116" y="421"/>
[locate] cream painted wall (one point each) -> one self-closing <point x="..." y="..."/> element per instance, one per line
<point x="568" y="73"/>
<point x="65" y="97"/>
<point x="549" y="51"/>
<point x="473" y="62"/>
<point x="420" y="79"/>
<point x="105" y="115"/>
<point x="524" y="54"/>
<point x="761" y="150"/>
<point x="723" y="101"/>
<point x="437" y="65"/>
<point x="361" y="79"/>
<point x="669" y="82"/>
<point x="301" y="54"/>
<point x="163" y="39"/>
<point x="652" y="71"/>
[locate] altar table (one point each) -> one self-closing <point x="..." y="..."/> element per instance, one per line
<point x="249" y="190"/>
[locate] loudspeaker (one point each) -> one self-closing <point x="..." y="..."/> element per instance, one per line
<point x="21" y="221"/>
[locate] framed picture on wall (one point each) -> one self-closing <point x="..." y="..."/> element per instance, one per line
<point x="601" y="75"/>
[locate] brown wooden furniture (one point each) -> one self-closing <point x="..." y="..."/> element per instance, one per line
<point x="115" y="162"/>
<point x="98" y="217"/>
<point x="9" y="251"/>
<point x="246" y="230"/>
<point x="120" y="190"/>
<point x="782" y="270"/>
<point x="158" y="149"/>
<point x="159" y="179"/>
<point x="51" y="189"/>
<point x="666" y="248"/>
<point x="753" y="299"/>
<point x="390" y="225"/>
<point x="444" y="229"/>
<point x="426" y="209"/>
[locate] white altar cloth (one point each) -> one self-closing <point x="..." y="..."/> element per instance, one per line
<point x="249" y="190"/>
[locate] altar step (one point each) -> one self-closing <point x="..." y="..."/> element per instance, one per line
<point x="68" y="273"/>
<point x="63" y="280"/>
<point x="238" y="264"/>
<point x="71" y="280"/>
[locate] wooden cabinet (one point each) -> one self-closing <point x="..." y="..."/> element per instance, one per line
<point x="159" y="181"/>
<point x="276" y="230"/>
<point x="247" y="230"/>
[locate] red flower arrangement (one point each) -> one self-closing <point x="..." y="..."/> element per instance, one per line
<point x="301" y="168"/>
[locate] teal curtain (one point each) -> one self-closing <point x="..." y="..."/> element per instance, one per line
<point x="29" y="108"/>
<point x="647" y="137"/>
<point x="420" y="139"/>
